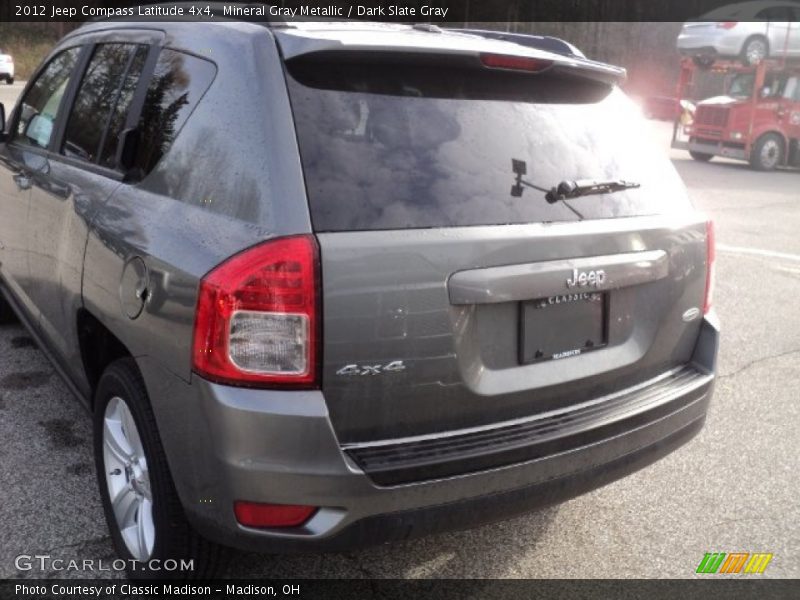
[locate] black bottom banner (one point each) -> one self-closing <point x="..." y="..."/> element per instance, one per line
<point x="727" y="589"/>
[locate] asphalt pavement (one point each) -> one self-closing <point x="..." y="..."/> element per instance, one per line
<point x="733" y="488"/>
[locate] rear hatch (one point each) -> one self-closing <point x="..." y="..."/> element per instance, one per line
<point x="450" y="302"/>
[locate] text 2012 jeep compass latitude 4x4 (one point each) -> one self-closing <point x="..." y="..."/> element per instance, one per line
<point x="324" y="285"/>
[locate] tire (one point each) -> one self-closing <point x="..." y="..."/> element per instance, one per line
<point x="130" y="460"/>
<point x="703" y="61"/>
<point x="700" y="156"/>
<point x="10" y="80"/>
<point x="754" y="50"/>
<point x="768" y="152"/>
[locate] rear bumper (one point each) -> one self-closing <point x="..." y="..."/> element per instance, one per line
<point x="489" y="508"/>
<point x="226" y="444"/>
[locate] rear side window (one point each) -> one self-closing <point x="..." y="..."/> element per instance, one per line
<point x="40" y="105"/>
<point x="415" y="147"/>
<point x="178" y="84"/>
<point x="102" y="102"/>
<point x="122" y="104"/>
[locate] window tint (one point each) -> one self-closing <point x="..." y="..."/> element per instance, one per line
<point x="103" y="99"/>
<point x="178" y="84"/>
<point x="40" y="104"/>
<point x="119" y="114"/>
<point x="416" y="147"/>
<point x="776" y="13"/>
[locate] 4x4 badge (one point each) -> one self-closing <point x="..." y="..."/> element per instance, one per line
<point x="393" y="367"/>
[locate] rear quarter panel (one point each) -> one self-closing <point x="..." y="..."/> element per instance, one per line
<point x="230" y="180"/>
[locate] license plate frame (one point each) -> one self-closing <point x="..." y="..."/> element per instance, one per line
<point x="562" y="326"/>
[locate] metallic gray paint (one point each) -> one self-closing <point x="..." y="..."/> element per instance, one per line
<point x="15" y="193"/>
<point x="62" y="201"/>
<point x="272" y="446"/>
<point x="385" y="298"/>
<point x="170" y="218"/>
<point x="279" y="447"/>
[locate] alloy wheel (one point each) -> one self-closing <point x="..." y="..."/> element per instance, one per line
<point x="128" y="479"/>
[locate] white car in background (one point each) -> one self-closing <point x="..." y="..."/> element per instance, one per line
<point x="751" y="31"/>
<point x="6" y="67"/>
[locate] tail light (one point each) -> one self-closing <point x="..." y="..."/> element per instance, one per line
<point x="514" y="63"/>
<point x="711" y="259"/>
<point x="727" y="24"/>
<point x="253" y="514"/>
<point x="257" y="319"/>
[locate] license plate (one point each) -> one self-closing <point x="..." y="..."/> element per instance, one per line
<point x="562" y="326"/>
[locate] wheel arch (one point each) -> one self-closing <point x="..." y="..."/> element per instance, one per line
<point x="767" y="131"/>
<point x="99" y="347"/>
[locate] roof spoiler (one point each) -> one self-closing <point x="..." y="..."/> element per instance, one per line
<point x="454" y="50"/>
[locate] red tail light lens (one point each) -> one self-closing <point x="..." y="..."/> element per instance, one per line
<point x="257" y="320"/>
<point x="711" y="259"/>
<point x="252" y="514"/>
<point x="515" y="63"/>
<point x="727" y="24"/>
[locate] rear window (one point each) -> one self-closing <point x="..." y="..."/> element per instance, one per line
<point x="416" y="147"/>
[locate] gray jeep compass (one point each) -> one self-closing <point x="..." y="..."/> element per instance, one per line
<point x="323" y="285"/>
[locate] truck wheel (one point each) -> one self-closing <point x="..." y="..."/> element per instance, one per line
<point x="700" y="156"/>
<point x="754" y="50"/>
<point x="767" y="153"/>
<point x="141" y="505"/>
<point x="10" y="80"/>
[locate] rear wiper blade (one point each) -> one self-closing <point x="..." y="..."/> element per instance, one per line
<point x="587" y="187"/>
<point x="568" y="188"/>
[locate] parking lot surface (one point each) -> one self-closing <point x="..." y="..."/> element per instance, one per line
<point x="732" y="489"/>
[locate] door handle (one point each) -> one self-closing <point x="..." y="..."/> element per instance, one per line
<point x="23" y="181"/>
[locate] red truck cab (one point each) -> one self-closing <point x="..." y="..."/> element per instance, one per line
<point x="756" y="120"/>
